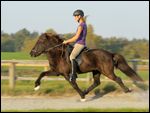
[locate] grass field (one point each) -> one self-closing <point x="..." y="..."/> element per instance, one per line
<point x="57" y="88"/>
<point x="82" y="110"/>
<point x="19" y="56"/>
<point x="26" y="87"/>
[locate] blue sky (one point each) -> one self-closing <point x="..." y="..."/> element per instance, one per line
<point x="128" y="19"/>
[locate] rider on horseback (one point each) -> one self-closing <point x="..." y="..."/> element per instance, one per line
<point x="79" y="39"/>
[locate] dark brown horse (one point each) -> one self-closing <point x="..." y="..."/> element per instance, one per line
<point x="97" y="61"/>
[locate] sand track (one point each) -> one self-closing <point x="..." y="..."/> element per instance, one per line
<point x="134" y="99"/>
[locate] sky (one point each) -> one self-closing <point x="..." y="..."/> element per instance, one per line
<point x="128" y="19"/>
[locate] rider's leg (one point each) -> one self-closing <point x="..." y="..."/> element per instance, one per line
<point x="75" y="52"/>
<point x="73" y="74"/>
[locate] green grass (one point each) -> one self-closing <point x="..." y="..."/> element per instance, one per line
<point x="26" y="87"/>
<point x="57" y="88"/>
<point x="49" y="88"/>
<point x="19" y="56"/>
<point x="83" y="110"/>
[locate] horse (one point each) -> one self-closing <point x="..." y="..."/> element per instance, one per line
<point x="97" y="61"/>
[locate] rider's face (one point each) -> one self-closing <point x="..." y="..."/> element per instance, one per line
<point x="76" y="18"/>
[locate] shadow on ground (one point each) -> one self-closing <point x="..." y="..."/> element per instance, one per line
<point x="100" y="93"/>
<point x="141" y="85"/>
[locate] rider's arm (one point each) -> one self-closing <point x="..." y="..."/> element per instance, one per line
<point x="74" y="38"/>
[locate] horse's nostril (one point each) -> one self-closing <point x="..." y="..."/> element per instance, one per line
<point x="32" y="53"/>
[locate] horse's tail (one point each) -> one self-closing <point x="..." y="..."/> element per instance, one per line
<point x="121" y="63"/>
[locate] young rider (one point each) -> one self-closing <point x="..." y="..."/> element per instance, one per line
<point x="79" y="39"/>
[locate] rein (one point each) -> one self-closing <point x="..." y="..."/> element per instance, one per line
<point x="53" y="47"/>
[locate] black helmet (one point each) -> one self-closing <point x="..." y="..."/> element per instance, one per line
<point x="78" y="12"/>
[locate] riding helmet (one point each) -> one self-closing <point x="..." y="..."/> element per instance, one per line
<point x="78" y="12"/>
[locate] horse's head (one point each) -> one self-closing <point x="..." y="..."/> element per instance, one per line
<point x="45" y="41"/>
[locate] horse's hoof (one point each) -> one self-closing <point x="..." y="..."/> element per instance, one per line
<point x="37" y="88"/>
<point x="128" y="91"/>
<point x="82" y="100"/>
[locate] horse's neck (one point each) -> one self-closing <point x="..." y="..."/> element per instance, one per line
<point x="55" y="56"/>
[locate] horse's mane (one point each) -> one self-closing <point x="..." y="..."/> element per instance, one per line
<point x="59" y="39"/>
<point x="55" y="37"/>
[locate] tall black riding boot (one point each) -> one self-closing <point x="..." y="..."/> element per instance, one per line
<point x="73" y="74"/>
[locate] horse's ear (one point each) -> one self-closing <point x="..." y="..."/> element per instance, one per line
<point x="48" y="35"/>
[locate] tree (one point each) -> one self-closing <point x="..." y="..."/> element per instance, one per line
<point x="20" y="37"/>
<point x="28" y="44"/>
<point x="68" y="35"/>
<point x="114" y="44"/>
<point x="34" y="34"/>
<point x="136" y="49"/>
<point x="7" y="44"/>
<point x="90" y="38"/>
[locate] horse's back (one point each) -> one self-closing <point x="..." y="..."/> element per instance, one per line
<point x="97" y="53"/>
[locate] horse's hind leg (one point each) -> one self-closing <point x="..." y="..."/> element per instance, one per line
<point x="45" y="73"/>
<point x="75" y="86"/>
<point x="96" y="76"/>
<point x="119" y="81"/>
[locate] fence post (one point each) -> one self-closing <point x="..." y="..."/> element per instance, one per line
<point x="134" y="65"/>
<point x="12" y="75"/>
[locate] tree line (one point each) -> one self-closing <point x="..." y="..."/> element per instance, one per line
<point x="23" y="41"/>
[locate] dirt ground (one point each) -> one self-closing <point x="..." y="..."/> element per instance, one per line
<point x="135" y="99"/>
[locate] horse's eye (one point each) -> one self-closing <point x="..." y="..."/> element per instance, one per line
<point x="41" y="41"/>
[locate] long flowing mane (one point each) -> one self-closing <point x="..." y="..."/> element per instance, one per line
<point x="54" y="37"/>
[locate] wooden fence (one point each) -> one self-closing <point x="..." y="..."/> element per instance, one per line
<point x="13" y="63"/>
<point x="44" y="63"/>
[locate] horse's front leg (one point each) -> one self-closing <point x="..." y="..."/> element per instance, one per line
<point x="76" y="87"/>
<point x="45" y="73"/>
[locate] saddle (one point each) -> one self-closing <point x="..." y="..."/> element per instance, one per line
<point x="78" y="58"/>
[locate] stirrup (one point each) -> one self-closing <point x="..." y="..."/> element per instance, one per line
<point x="72" y="77"/>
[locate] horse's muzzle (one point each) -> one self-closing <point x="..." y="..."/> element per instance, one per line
<point x="33" y="53"/>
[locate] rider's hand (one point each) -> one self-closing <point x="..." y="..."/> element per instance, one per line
<point x="65" y="42"/>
